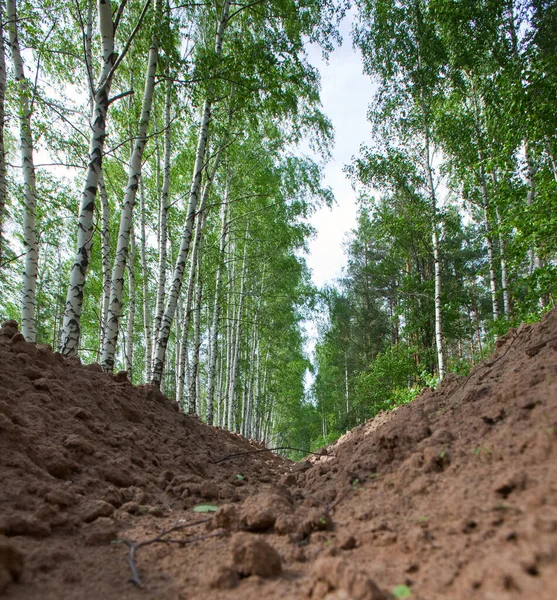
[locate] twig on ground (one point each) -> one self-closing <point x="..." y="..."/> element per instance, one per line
<point x="160" y="539"/>
<point x="236" y="454"/>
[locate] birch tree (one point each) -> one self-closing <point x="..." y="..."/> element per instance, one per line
<point x="100" y="92"/>
<point x="3" y="184"/>
<point x="28" y="326"/>
<point x="101" y="95"/>
<point x="178" y="274"/>
<point x="126" y="215"/>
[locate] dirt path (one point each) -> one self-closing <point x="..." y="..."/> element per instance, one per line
<point x="453" y="496"/>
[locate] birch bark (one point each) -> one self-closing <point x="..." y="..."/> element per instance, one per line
<point x="216" y="312"/>
<point x="130" y="330"/>
<point x="237" y="341"/>
<point x="126" y="215"/>
<point x="3" y="188"/>
<point x="504" y="268"/>
<point x="535" y="262"/>
<point x="192" y="393"/>
<point x="105" y="255"/>
<point x="437" y="267"/>
<point x="182" y="371"/>
<point x="28" y="325"/>
<point x="163" y="214"/>
<point x="145" y="284"/>
<point x="71" y="327"/>
<point x="178" y="275"/>
<point x="490" y="253"/>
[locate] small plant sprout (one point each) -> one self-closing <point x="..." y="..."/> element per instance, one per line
<point x="422" y="519"/>
<point x="402" y="591"/>
<point x="355" y="483"/>
<point x="205" y="508"/>
<point x="239" y="477"/>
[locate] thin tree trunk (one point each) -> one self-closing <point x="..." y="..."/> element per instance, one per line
<point x="346" y="389"/>
<point x="490" y="253"/>
<point x="251" y="380"/>
<point x="105" y="256"/>
<point x="126" y="216"/>
<point x="257" y="396"/>
<point x="535" y="262"/>
<point x="193" y="405"/>
<point x="177" y="278"/>
<point x="230" y="312"/>
<point x="71" y="327"/>
<point x="504" y="270"/>
<point x="30" y="273"/>
<point x="3" y="185"/>
<point x="216" y="312"/>
<point x="163" y="213"/>
<point x="200" y="223"/>
<point x="437" y="269"/>
<point x="145" y="282"/>
<point x="237" y="338"/>
<point x="131" y="307"/>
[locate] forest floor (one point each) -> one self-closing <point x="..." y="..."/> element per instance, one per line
<point x="452" y="496"/>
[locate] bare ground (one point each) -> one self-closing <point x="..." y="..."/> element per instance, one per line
<point x="451" y="497"/>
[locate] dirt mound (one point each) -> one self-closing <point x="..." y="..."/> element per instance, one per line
<point x="453" y="496"/>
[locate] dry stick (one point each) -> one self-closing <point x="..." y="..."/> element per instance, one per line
<point x="229" y="456"/>
<point x="135" y="546"/>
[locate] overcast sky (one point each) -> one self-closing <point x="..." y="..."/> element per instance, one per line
<point x="346" y="94"/>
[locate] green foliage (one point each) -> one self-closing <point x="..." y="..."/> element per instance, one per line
<point x="402" y="591"/>
<point x="205" y="508"/>
<point x="385" y="384"/>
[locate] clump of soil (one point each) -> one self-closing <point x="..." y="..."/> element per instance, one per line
<point x="453" y="496"/>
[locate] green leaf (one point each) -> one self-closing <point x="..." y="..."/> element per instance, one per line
<point x="239" y="477"/>
<point x="205" y="508"/>
<point x="402" y="591"/>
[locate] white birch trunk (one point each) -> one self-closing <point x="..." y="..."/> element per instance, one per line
<point x="177" y="278"/>
<point x="237" y="336"/>
<point x="216" y="313"/>
<point x="230" y="312"/>
<point x="535" y="262"/>
<point x="105" y="256"/>
<point x="437" y="267"/>
<point x="218" y="400"/>
<point x="145" y="286"/>
<point x="30" y="273"/>
<point x="346" y="388"/>
<point x="193" y="406"/>
<point x="131" y="308"/>
<point x="163" y="214"/>
<point x="3" y="187"/>
<point x="182" y="372"/>
<point x="246" y="426"/>
<point x="126" y="216"/>
<point x="71" y="327"/>
<point x="490" y="253"/>
<point x="504" y="268"/>
<point x="507" y="307"/>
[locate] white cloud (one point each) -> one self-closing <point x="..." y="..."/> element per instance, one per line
<point x="346" y="94"/>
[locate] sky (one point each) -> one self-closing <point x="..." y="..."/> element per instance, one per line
<point x="346" y="93"/>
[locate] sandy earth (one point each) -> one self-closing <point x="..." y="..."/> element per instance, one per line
<point x="453" y="496"/>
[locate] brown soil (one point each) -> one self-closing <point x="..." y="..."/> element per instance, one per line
<point x="453" y="496"/>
